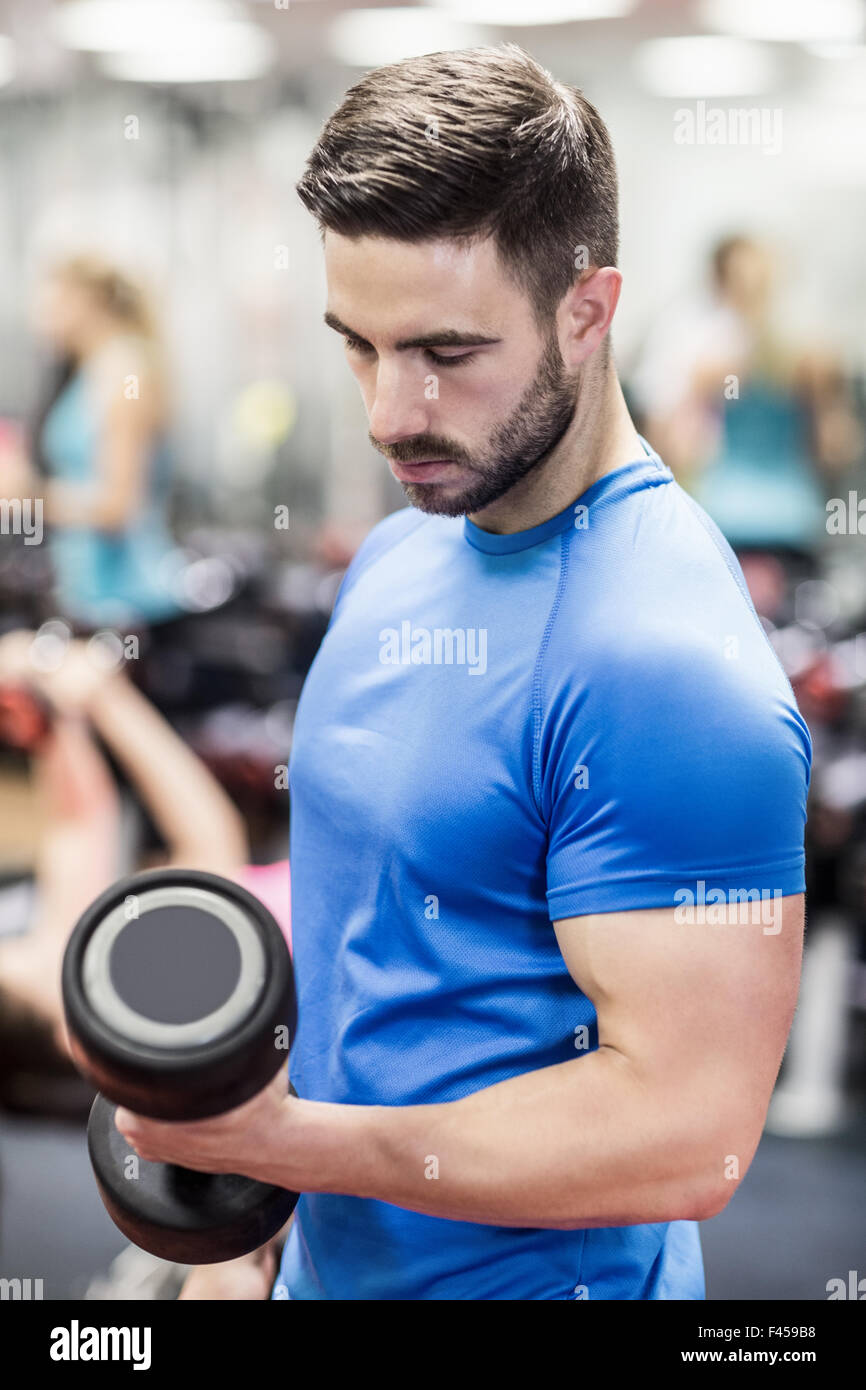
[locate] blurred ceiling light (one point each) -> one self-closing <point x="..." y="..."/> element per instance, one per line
<point x="785" y="21"/>
<point x="167" y="40"/>
<point x="7" y="60"/>
<point x="123" y="26"/>
<point x="238" y="52"/>
<point x="524" y="12"/>
<point x="368" y="38"/>
<point x="704" y="66"/>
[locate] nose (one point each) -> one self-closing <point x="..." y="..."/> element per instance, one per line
<point x="398" y="409"/>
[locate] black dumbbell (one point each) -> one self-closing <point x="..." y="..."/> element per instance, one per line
<point x="179" y="996"/>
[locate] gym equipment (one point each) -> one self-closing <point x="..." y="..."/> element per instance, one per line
<point x="179" y="996"/>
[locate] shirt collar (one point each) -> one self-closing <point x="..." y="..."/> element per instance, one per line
<point x="629" y="478"/>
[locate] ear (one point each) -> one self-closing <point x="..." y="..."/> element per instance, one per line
<point x="585" y="313"/>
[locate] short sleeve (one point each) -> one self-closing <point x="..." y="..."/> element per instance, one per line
<point x="662" y="769"/>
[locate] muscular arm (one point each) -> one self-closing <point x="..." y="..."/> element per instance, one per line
<point x="692" y="1026"/>
<point x="659" y="1124"/>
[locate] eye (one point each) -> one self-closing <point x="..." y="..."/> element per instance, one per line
<point x="449" y="361"/>
<point x="356" y="344"/>
<point x="360" y="346"/>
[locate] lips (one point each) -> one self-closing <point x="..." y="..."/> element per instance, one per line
<point x="428" y="472"/>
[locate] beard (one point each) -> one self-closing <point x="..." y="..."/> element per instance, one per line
<point x="517" y="446"/>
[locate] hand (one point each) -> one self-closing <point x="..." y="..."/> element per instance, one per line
<point x="16" y="663"/>
<point x="249" y="1278"/>
<point x="71" y="686"/>
<point x="240" y="1141"/>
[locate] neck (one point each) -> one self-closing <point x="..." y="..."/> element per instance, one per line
<point x="600" y="439"/>
<point x="94" y="336"/>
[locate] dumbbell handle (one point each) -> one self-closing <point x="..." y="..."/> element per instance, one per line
<point x="175" y="1212"/>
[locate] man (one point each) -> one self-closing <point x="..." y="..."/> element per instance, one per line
<point x="544" y="752"/>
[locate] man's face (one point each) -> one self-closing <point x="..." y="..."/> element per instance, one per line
<point x="464" y="397"/>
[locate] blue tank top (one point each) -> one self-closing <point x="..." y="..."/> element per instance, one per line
<point x="104" y="577"/>
<point x="761" y="487"/>
<point x="436" y="834"/>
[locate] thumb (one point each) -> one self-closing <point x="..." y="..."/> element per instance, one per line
<point x="61" y="1040"/>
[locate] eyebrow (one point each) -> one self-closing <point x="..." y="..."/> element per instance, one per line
<point x="444" y="337"/>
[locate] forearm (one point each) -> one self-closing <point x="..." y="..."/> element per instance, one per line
<point x="189" y="807"/>
<point x="586" y="1143"/>
<point x="79" y="818"/>
<point x="72" y="779"/>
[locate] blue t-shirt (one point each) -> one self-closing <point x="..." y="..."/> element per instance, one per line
<point x="500" y="731"/>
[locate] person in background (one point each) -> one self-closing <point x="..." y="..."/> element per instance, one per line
<point x="754" y="426"/>
<point x="99" y="459"/>
<point x="80" y="852"/>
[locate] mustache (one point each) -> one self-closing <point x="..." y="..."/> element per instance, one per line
<point x="415" y="453"/>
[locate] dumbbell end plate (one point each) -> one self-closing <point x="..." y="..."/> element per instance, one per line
<point x="175" y="1213"/>
<point x="187" y="1009"/>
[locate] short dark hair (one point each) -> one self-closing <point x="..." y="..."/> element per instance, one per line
<point x="468" y="144"/>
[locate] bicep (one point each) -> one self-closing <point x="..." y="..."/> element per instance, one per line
<point x="699" y="1009"/>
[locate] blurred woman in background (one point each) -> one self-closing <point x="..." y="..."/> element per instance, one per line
<point x="756" y="427"/>
<point x="100" y="449"/>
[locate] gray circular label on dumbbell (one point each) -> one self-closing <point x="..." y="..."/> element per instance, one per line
<point x="186" y="969"/>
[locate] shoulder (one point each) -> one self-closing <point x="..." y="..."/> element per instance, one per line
<point x="123" y="353"/>
<point x="652" y="582"/>
<point x="385" y="535"/>
<point x="388" y="532"/>
<point x="126" y="367"/>
<point x="656" y="638"/>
